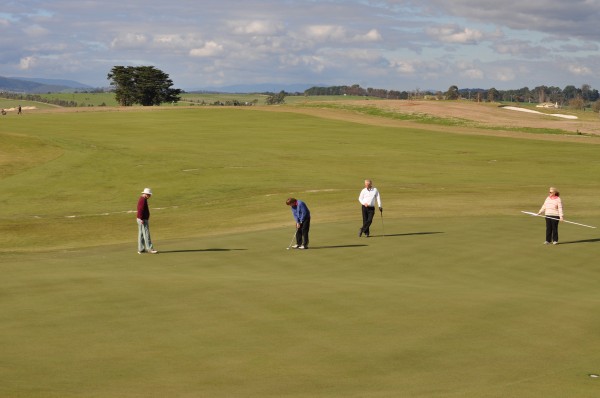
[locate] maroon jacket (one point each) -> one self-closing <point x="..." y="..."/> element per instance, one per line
<point x="143" y="212"/>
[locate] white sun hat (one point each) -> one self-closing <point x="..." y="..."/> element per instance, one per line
<point x="147" y="191"/>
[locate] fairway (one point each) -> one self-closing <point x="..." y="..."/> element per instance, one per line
<point x="458" y="299"/>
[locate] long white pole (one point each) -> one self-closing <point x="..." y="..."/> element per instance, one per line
<point x="570" y="222"/>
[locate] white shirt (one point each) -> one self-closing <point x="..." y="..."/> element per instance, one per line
<point x="367" y="197"/>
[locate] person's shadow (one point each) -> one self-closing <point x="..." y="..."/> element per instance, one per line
<point x="405" y="234"/>
<point x="335" y="247"/>
<point x="580" y="241"/>
<point x="198" y="250"/>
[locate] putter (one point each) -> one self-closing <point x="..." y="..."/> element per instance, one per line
<point x="291" y="241"/>
<point x="382" y="228"/>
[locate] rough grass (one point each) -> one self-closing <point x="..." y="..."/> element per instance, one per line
<point x="374" y="110"/>
<point x="432" y="119"/>
<point x="459" y="299"/>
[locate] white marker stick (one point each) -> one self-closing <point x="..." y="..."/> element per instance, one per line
<point x="570" y="222"/>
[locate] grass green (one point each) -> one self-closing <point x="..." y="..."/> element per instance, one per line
<point x="459" y="299"/>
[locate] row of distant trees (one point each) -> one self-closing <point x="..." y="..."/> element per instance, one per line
<point x="538" y="94"/>
<point x="357" y="90"/>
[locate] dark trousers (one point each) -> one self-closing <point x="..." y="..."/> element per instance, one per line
<point x="302" y="233"/>
<point x="367" y="213"/>
<point x="552" y="229"/>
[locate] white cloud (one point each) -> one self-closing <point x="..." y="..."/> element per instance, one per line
<point x="371" y="36"/>
<point x="339" y="34"/>
<point x="35" y="31"/>
<point x="129" y="41"/>
<point x="326" y="32"/>
<point x="258" y="28"/>
<point x="454" y="34"/>
<point x="315" y="63"/>
<point x="579" y="70"/>
<point x="474" y="74"/>
<point x="471" y="70"/>
<point x="365" y="56"/>
<point x="512" y="48"/>
<point x="27" y="63"/>
<point x="503" y="74"/>
<point x="174" y="44"/>
<point x="519" y="47"/>
<point x="403" y="67"/>
<point x="167" y="39"/>
<point x="210" y="49"/>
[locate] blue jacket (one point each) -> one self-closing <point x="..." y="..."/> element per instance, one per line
<point x="300" y="212"/>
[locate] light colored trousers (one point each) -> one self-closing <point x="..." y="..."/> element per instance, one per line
<point x="144" y="240"/>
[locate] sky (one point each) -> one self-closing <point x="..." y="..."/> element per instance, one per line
<point x="403" y="45"/>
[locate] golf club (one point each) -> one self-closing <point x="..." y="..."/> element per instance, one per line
<point x="382" y="228"/>
<point x="570" y="222"/>
<point x="292" y="241"/>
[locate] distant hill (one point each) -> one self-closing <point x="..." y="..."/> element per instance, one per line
<point x="39" y="85"/>
<point x="256" y="88"/>
<point x="56" y="82"/>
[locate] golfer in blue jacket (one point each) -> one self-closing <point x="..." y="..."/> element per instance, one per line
<point x="302" y="216"/>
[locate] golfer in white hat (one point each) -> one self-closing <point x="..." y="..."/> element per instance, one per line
<point x="143" y="214"/>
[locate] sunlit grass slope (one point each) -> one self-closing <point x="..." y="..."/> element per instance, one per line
<point x="458" y="299"/>
<point x="231" y="169"/>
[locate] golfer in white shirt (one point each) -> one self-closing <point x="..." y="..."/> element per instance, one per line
<point x="367" y="198"/>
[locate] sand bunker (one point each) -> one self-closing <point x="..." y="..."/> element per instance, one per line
<point x="23" y="108"/>
<point x="514" y="108"/>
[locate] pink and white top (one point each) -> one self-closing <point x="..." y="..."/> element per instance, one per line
<point x="552" y="206"/>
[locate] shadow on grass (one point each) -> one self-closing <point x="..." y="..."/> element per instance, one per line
<point x="581" y="241"/>
<point x="335" y="247"/>
<point x="406" y="234"/>
<point x="198" y="250"/>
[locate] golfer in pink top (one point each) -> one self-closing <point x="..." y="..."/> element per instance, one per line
<point x="553" y="210"/>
